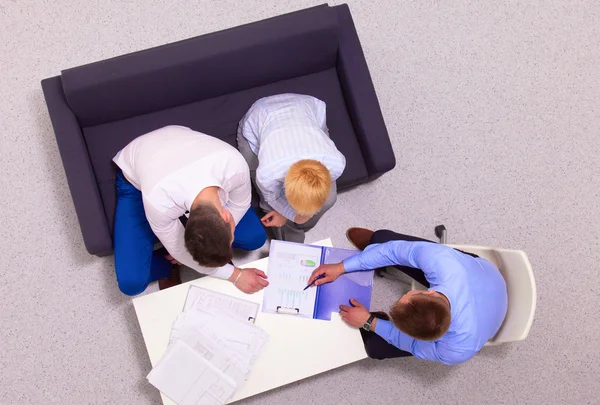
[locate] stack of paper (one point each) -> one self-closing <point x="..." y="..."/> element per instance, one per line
<point x="212" y="349"/>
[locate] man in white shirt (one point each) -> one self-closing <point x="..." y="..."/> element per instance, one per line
<point x="166" y="174"/>
<point x="285" y="140"/>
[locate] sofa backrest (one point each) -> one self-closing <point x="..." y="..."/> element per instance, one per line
<point x="196" y="69"/>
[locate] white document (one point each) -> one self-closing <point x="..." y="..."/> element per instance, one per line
<point x="188" y="379"/>
<point x="213" y="351"/>
<point x="202" y="299"/>
<point x="239" y="339"/>
<point x="290" y="267"/>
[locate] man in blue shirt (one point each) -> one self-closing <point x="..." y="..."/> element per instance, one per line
<point x="463" y="308"/>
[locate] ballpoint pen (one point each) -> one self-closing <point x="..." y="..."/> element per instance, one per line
<point x="313" y="282"/>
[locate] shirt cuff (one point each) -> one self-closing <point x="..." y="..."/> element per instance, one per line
<point x="383" y="328"/>
<point x="352" y="263"/>
<point x="223" y="272"/>
<point x="283" y="207"/>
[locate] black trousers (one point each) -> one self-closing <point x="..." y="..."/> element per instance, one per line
<point x="375" y="345"/>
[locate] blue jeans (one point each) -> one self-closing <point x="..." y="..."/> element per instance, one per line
<point x="136" y="263"/>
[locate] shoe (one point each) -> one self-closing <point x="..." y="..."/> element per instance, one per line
<point x="359" y="237"/>
<point x="172" y="280"/>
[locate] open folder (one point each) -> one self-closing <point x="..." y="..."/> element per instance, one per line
<point x="290" y="266"/>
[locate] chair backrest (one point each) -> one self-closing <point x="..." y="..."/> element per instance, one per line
<point x="520" y="285"/>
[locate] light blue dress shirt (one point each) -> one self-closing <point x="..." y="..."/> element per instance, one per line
<point x="282" y="130"/>
<point x="475" y="288"/>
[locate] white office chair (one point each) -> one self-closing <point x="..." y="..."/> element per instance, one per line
<point x="520" y="285"/>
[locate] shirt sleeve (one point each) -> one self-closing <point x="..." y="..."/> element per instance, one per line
<point x="282" y="206"/>
<point x="404" y="253"/>
<point x="273" y="193"/>
<point x="426" y="350"/>
<point x="170" y="232"/>
<point x="239" y="191"/>
<point x="336" y="164"/>
<point x="249" y="127"/>
<point x="321" y="114"/>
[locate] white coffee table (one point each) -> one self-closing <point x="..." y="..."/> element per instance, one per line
<point x="298" y="348"/>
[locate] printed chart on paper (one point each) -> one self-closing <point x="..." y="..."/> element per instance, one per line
<point x="290" y="267"/>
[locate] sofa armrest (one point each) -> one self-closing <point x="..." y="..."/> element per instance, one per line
<point x="80" y="175"/>
<point x="361" y="99"/>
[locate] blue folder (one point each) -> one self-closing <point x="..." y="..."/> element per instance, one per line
<point x="357" y="285"/>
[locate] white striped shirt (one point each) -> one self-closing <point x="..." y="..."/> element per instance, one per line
<point x="282" y="130"/>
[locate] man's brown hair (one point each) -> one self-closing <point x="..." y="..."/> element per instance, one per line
<point x="208" y="237"/>
<point x="424" y="317"/>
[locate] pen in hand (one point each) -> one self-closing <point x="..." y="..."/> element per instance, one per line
<point x="313" y="282"/>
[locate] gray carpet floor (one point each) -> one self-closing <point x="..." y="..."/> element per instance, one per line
<point x="494" y="117"/>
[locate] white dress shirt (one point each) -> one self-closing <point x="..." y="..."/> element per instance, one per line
<point x="282" y="130"/>
<point x="170" y="166"/>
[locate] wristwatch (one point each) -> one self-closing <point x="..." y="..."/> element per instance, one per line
<point x="367" y="325"/>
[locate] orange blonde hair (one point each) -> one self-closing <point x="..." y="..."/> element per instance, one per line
<point x="307" y="185"/>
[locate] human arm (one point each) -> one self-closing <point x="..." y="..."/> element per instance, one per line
<point x="418" y="255"/>
<point x="274" y="195"/>
<point x="273" y="218"/>
<point x="413" y="254"/>
<point x="279" y="203"/>
<point x="439" y="351"/>
<point x="239" y="189"/>
<point x="249" y="127"/>
<point x="319" y="109"/>
<point x="356" y="314"/>
<point x="326" y="273"/>
<point x="249" y="280"/>
<point x="170" y="232"/>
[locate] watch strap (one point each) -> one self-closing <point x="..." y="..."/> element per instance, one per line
<point x="369" y="322"/>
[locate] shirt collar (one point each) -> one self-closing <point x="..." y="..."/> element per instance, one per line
<point x="448" y="295"/>
<point x="223" y="196"/>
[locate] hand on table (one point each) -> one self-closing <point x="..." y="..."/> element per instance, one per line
<point x="356" y="315"/>
<point x="273" y="218"/>
<point x="330" y="272"/>
<point x="250" y="281"/>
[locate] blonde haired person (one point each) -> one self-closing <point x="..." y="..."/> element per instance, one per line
<point x="292" y="160"/>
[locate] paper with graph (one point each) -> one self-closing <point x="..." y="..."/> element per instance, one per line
<point x="290" y="266"/>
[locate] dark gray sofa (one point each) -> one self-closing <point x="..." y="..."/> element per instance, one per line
<point x="207" y="83"/>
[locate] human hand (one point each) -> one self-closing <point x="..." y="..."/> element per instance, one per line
<point x="172" y="259"/>
<point x="273" y="218"/>
<point x="249" y="280"/>
<point x="330" y="272"/>
<point x="356" y="315"/>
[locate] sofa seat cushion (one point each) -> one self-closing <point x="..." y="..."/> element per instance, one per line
<point x="219" y="117"/>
